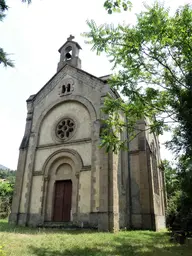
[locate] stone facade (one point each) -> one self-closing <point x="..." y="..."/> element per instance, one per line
<point x="61" y="143"/>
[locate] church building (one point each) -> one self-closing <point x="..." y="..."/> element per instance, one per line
<point x="65" y="178"/>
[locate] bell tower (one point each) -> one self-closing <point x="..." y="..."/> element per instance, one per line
<point x="69" y="53"/>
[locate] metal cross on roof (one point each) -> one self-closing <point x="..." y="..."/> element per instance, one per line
<point x="70" y="38"/>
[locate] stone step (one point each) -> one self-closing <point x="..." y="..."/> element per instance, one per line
<point x="65" y="225"/>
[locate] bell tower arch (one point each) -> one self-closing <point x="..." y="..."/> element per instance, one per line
<point x="69" y="54"/>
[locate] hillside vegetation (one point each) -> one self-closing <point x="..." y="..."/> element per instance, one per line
<point x="7" y="181"/>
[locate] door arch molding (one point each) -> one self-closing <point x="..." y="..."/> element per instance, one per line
<point x="53" y="162"/>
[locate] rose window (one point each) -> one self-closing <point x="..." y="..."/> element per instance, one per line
<point x="65" y="128"/>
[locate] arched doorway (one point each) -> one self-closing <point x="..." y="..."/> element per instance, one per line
<point x="61" y="186"/>
<point x="60" y="195"/>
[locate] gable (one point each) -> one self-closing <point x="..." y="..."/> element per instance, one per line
<point x="68" y="71"/>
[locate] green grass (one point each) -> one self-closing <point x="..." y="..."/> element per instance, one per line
<point x="19" y="241"/>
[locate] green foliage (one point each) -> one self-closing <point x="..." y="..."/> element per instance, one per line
<point x="153" y="61"/>
<point x="179" y="196"/>
<point x="117" y="5"/>
<point x="3" y="55"/>
<point x="184" y="217"/>
<point x="8" y="174"/>
<point x="174" y="193"/>
<point x="153" y="72"/>
<point x="172" y="181"/>
<point x="4" y="59"/>
<point x="3" y="9"/>
<point x="6" y="189"/>
<point x="6" y="194"/>
<point x="7" y="181"/>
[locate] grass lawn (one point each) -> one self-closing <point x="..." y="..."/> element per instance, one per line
<point x="19" y="241"/>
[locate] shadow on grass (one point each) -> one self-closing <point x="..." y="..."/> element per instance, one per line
<point x="117" y="247"/>
<point x="139" y="243"/>
<point x="9" y="228"/>
<point x="73" y="251"/>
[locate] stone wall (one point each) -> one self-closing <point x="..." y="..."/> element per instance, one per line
<point x="145" y="203"/>
<point x="84" y="203"/>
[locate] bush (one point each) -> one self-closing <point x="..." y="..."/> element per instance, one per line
<point x="5" y="207"/>
<point x="6" y="194"/>
<point x="172" y="208"/>
<point x="179" y="213"/>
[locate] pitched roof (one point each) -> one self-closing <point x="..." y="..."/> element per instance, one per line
<point x="78" y="46"/>
<point x="32" y="97"/>
<point x="102" y="79"/>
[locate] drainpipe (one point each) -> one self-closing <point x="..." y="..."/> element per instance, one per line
<point x="129" y="179"/>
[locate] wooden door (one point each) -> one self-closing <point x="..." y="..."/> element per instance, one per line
<point x="62" y="202"/>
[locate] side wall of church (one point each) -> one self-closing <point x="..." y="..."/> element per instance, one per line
<point x="157" y="178"/>
<point x="123" y="185"/>
<point x="147" y="206"/>
<point x="134" y="184"/>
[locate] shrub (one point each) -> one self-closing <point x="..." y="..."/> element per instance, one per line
<point x="6" y="194"/>
<point x="172" y="208"/>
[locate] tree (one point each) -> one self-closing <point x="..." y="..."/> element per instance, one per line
<point x="173" y="189"/>
<point x="4" y="59"/>
<point x="117" y="5"/>
<point x="3" y="55"/>
<point x="7" y="181"/>
<point x="153" y="61"/>
<point x="8" y="175"/>
<point x="153" y="72"/>
<point x="172" y="181"/>
<point x="6" y="195"/>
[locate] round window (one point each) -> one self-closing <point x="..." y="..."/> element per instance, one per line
<point x="65" y="129"/>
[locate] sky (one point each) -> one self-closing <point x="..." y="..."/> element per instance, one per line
<point x="32" y="34"/>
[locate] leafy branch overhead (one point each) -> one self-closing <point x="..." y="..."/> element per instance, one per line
<point x="153" y="73"/>
<point x="3" y="8"/>
<point x="117" y="5"/>
<point x="4" y="59"/>
<point x="152" y="67"/>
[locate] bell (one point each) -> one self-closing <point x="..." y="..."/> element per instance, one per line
<point x="68" y="56"/>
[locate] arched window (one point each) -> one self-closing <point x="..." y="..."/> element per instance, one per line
<point x="63" y="89"/>
<point x="67" y="87"/>
<point x="68" y="53"/>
